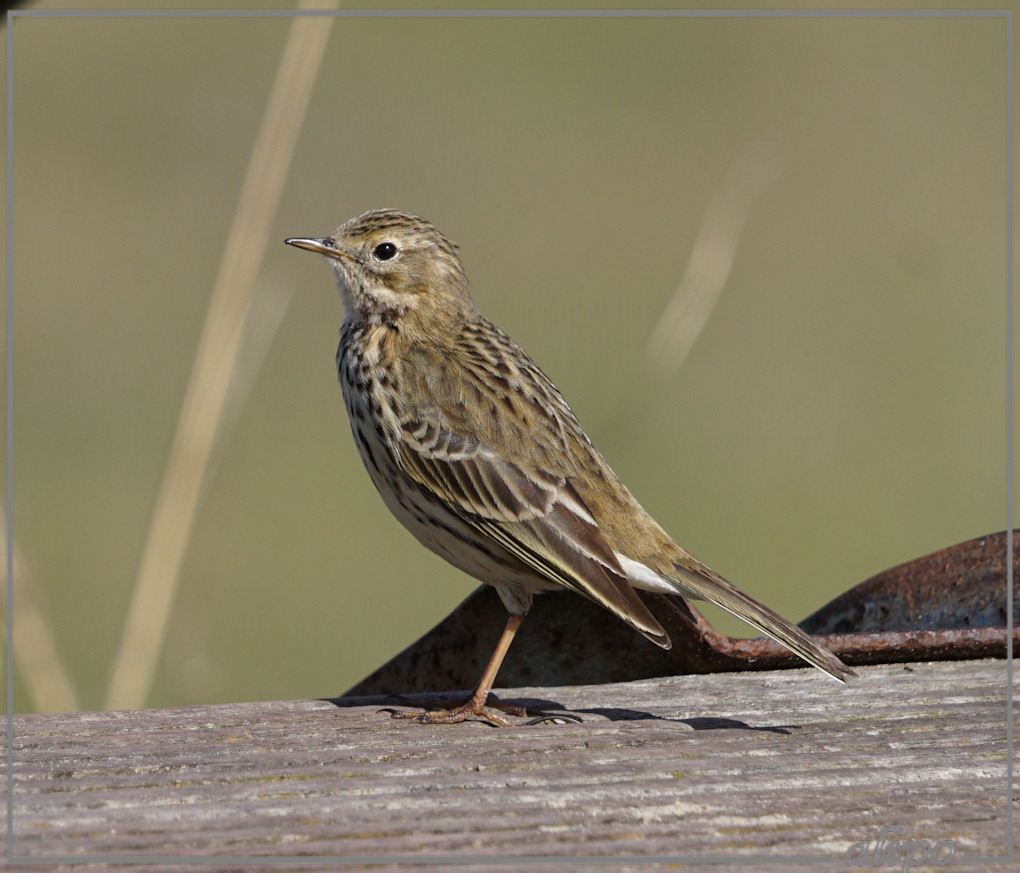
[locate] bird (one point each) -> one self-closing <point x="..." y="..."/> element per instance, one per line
<point x="476" y="452"/>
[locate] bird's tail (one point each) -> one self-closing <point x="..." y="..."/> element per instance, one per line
<point x="705" y="584"/>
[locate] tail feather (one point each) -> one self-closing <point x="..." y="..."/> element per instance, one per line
<point x="705" y="584"/>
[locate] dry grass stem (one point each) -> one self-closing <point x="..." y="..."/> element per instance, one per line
<point x="214" y="372"/>
<point x="47" y="681"/>
<point x="712" y="256"/>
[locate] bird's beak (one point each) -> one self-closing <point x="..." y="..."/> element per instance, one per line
<point x="324" y="246"/>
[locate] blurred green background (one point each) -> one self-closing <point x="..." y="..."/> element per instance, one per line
<point x="842" y="412"/>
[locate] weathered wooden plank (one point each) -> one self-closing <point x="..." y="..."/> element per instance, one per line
<point x="738" y="766"/>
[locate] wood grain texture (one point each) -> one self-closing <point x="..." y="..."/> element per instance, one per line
<point x="743" y="766"/>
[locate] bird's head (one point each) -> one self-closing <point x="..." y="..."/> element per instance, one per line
<point x="390" y="263"/>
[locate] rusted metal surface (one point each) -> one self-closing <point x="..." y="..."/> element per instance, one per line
<point x="892" y="617"/>
<point x="963" y="586"/>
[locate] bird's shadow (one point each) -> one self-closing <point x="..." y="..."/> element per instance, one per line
<point x="554" y="712"/>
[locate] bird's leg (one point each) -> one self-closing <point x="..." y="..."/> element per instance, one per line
<point x="478" y="703"/>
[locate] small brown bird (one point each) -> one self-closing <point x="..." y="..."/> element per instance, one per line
<point x="477" y="454"/>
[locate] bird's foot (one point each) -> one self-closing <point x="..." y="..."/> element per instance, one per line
<point x="487" y="708"/>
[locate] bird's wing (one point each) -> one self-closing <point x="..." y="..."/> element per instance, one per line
<point x="495" y="447"/>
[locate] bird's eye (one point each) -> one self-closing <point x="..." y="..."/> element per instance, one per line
<point x="384" y="251"/>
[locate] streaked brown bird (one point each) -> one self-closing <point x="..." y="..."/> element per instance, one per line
<point x="475" y="451"/>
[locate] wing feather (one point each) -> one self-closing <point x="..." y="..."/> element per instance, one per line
<point x="483" y="469"/>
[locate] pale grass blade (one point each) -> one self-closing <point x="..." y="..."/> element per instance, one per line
<point x="214" y="371"/>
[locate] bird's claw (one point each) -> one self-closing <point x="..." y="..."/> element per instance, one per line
<point x="488" y="710"/>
